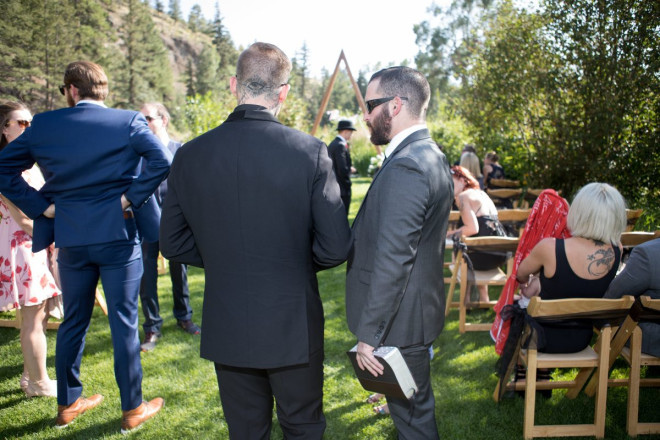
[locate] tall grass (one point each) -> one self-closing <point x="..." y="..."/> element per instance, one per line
<point x="462" y="376"/>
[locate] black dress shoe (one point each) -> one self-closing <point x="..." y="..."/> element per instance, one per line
<point x="150" y="339"/>
<point x="189" y="326"/>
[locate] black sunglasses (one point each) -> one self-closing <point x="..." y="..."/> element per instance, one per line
<point x="152" y="118"/>
<point x="373" y="103"/>
<point x="62" y="87"/>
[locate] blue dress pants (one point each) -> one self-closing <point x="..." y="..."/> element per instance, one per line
<point x="119" y="265"/>
<point x="149" y="290"/>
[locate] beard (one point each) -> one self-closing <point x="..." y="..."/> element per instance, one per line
<point x="381" y="127"/>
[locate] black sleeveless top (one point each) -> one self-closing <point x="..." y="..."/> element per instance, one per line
<point x="566" y="284"/>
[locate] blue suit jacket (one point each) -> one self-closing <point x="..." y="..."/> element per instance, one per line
<point x="148" y="216"/>
<point x="90" y="156"/>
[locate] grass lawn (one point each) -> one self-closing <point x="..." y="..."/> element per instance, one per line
<point x="462" y="372"/>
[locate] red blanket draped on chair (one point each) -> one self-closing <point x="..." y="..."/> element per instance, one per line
<point x="547" y="219"/>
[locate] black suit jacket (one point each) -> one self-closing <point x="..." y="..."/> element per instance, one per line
<point x="256" y="203"/>
<point x="394" y="277"/>
<point x="341" y="163"/>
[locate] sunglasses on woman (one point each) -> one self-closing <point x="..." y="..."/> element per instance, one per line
<point x="23" y="123"/>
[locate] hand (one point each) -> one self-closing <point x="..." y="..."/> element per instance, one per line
<point x="50" y="211"/>
<point x="531" y="288"/>
<point x="366" y="359"/>
<point x="125" y="203"/>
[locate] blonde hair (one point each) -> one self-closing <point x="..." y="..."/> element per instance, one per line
<point x="470" y="161"/>
<point x="598" y="212"/>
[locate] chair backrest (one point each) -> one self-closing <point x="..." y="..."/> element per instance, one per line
<point x="504" y="183"/>
<point x="650" y="303"/>
<point x="507" y="198"/>
<point x="632" y="239"/>
<point x="513" y="219"/>
<point x="573" y="308"/>
<point x="632" y="216"/>
<point x="496" y="244"/>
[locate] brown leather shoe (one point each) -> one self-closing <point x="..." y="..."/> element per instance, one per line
<point x="130" y="420"/>
<point x="189" y="326"/>
<point x="67" y="413"/>
<point x="150" y="339"/>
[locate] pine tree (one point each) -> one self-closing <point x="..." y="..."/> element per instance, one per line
<point x="159" y="6"/>
<point x="196" y="20"/>
<point x="175" y="10"/>
<point x="223" y="44"/>
<point x="207" y="71"/>
<point x="146" y="74"/>
<point x="190" y="78"/>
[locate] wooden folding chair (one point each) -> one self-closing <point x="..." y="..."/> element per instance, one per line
<point x="646" y="309"/>
<point x="503" y="197"/>
<point x="514" y="219"/>
<point x="587" y="360"/>
<point x="494" y="277"/>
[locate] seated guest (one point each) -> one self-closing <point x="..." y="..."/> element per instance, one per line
<point x="470" y="161"/>
<point x="492" y="168"/>
<point x="640" y="278"/>
<point x="578" y="267"/>
<point x="478" y="219"/>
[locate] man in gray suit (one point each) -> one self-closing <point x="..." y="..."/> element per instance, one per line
<point x="394" y="281"/>
<point x="641" y="277"/>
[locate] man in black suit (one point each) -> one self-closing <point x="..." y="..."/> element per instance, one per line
<point x="341" y="159"/>
<point x="394" y="288"/>
<point x="257" y="205"/>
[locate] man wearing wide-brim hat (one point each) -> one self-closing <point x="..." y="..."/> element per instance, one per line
<point x="339" y="152"/>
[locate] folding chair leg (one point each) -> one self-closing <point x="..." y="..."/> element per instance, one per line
<point x="100" y="300"/>
<point x="623" y="333"/>
<point x="450" y="292"/>
<point x="633" y="384"/>
<point x="462" y="310"/>
<point x="530" y="395"/>
<point x="603" y="346"/>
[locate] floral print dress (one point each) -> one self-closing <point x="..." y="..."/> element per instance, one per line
<point x="25" y="278"/>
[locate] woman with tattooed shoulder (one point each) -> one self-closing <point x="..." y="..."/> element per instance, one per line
<point x="578" y="267"/>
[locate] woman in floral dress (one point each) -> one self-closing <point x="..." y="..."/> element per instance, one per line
<point x="26" y="282"/>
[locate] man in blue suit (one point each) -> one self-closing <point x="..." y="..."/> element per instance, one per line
<point x="90" y="157"/>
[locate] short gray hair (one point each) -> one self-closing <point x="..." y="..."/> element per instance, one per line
<point x="598" y="212"/>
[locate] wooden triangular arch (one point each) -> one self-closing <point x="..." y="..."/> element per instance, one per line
<point x="331" y="84"/>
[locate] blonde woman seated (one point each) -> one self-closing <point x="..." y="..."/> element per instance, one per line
<point x="478" y="219"/>
<point x="578" y="267"/>
<point x="470" y="162"/>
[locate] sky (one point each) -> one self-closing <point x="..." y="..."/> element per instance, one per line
<point x="368" y="31"/>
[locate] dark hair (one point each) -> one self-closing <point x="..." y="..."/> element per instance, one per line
<point x="261" y="69"/>
<point x="463" y="174"/>
<point x="89" y="78"/>
<point x="403" y="81"/>
<point x="6" y="109"/>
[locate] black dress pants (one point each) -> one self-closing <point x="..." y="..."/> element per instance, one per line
<point x="247" y="399"/>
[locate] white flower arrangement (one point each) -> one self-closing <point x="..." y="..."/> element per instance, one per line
<point x="375" y="163"/>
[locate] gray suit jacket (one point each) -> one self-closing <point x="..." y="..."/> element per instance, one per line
<point x="394" y="277"/>
<point x="641" y="277"/>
